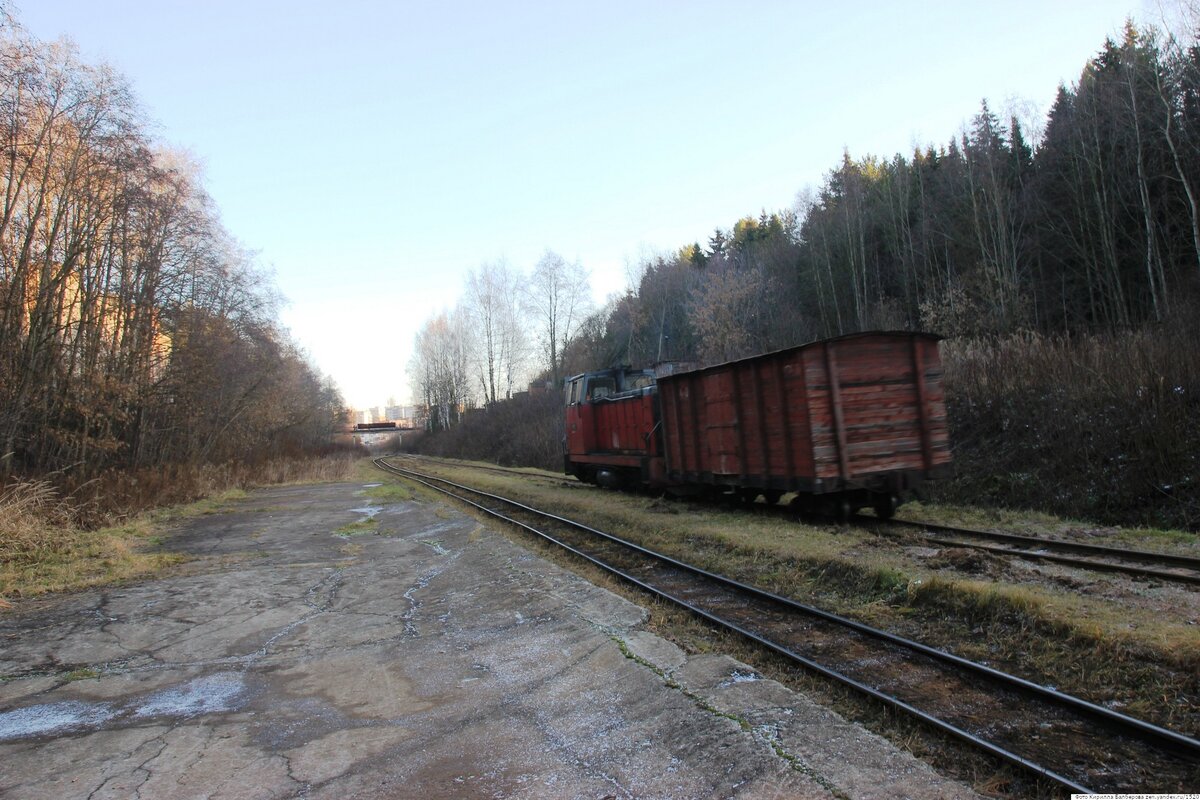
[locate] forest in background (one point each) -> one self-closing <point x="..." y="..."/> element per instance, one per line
<point x="1062" y="265"/>
<point x="135" y="331"/>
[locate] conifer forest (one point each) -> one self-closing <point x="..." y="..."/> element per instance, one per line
<point x="1060" y="258"/>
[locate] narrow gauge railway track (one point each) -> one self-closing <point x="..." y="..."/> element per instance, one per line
<point x="1102" y="558"/>
<point x="450" y="462"/>
<point x="1145" y="564"/>
<point x="1073" y="743"/>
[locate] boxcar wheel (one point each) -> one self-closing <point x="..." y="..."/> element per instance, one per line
<point x="841" y="510"/>
<point x="885" y="505"/>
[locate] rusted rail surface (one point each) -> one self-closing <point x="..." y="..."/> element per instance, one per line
<point x="1149" y="564"/>
<point x="1064" y="739"/>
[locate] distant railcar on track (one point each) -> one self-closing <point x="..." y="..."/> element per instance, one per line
<point x="845" y="423"/>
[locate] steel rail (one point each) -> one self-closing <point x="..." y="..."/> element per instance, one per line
<point x="1170" y="559"/>
<point x="1083" y="548"/>
<point x="889" y="700"/>
<point x="1141" y="727"/>
<point x="1086" y="563"/>
<point x="1062" y="544"/>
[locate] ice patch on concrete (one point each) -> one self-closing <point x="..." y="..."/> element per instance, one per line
<point x="442" y="527"/>
<point x="208" y="695"/>
<point x="52" y="718"/>
<point x="739" y="677"/>
<point x="368" y="511"/>
<point x="371" y="485"/>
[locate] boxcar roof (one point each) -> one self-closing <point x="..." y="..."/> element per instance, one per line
<point x="843" y="337"/>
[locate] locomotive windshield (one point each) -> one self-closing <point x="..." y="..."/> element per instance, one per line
<point x="601" y="386"/>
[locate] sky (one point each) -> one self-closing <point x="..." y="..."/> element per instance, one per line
<point x="372" y="153"/>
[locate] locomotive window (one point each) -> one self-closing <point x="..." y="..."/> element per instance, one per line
<point x="573" y="392"/>
<point x="601" y="387"/>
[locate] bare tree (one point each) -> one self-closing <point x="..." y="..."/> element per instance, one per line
<point x="440" y="369"/>
<point x="133" y="329"/>
<point x="558" y="297"/>
<point x="492" y="303"/>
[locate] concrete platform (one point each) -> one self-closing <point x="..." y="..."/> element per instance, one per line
<point x="431" y="659"/>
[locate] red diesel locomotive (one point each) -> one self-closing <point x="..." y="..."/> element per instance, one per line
<point x="845" y="423"/>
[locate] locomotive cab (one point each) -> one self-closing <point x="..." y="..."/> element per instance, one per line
<point x="610" y="426"/>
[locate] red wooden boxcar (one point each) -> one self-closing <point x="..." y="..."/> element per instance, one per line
<point x="845" y="423"/>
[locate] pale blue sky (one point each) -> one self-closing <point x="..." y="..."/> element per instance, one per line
<point x="373" y="152"/>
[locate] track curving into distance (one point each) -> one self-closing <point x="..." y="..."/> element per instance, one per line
<point x="1071" y="742"/>
<point x="1144" y="564"/>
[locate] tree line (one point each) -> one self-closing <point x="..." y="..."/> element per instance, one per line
<point x="1090" y="224"/>
<point x="134" y="329"/>
<point x="1093" y="225"/>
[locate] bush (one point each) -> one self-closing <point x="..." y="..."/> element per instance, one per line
<point x="1103" y="427"/>
<point x="117" y="494"/>
<point x="524" y="431"/>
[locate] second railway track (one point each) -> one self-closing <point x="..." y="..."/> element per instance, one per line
<point x="1068" y="741"/>
<point x="1149" y="564"/>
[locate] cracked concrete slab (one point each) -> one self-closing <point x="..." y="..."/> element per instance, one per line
<point x="427" y="657"/>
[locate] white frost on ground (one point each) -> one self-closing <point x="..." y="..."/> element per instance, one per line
<point x="210" y="694"/>
<point x="740" y="677"/>
<point x="207" y="695"/>
<point x="51" y="718"/>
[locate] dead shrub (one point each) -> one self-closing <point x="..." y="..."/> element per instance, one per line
<point x="525" y="431"/>
<point x="35" y="523"/>
<point x="1103" y="427"/>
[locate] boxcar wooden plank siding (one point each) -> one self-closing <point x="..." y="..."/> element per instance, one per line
<point x="834" y="410"/>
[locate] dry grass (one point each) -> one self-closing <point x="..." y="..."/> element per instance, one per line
<point x="42" y="551"/>
<point x="50" y="542"/>
<point x="35" y="522"/>
<point x="1036" y="523"/>
<point x="1101" y="427"/>
<point x="119" y="495"/>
